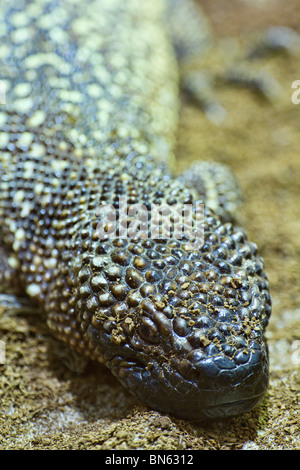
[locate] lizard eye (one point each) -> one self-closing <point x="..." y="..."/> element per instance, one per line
<point x="148" y="330"/>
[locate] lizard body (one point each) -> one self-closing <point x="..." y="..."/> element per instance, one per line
<point x="90" y="116"/>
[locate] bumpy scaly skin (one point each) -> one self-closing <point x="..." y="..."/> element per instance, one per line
<point x="91" y="105"/>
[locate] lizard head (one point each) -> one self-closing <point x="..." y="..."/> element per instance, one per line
<point x="182" y="329"/>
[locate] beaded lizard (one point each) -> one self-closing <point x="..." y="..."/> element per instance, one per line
<point x="90" y="115"/>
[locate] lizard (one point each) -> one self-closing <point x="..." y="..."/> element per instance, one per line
<point x="90" y="116"/>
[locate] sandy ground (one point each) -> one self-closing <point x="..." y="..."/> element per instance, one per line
<point x="46" y="406"/>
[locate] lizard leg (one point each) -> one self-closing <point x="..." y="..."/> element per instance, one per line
<point x="276" y="40"/>
<point x="190" y="33"/>
<point x="192" y="40"/>
<point x="242" y="68"/>
<point x="13" y="299"/>
<point x="225" y="62"/>
<point x="216" y="185"/>
<point x="195" y="49"/>
<point x="271" y="42"/>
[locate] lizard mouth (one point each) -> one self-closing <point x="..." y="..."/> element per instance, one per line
<point x="234" y="408"/>
<point x="190" y="401"/>
<point x="202" y="393"/>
